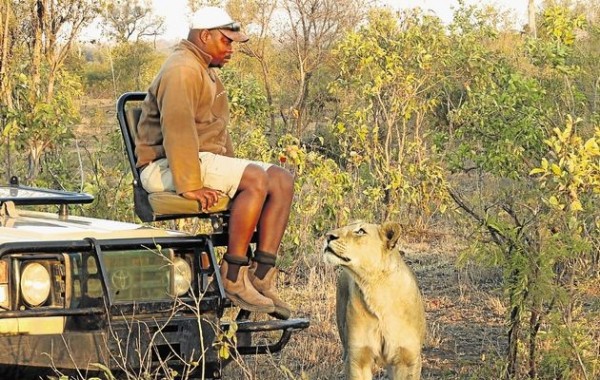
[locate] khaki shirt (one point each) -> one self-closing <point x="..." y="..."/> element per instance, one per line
<point x="185" y="112"/>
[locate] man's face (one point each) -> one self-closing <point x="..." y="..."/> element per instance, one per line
<point x="219" y="47"/>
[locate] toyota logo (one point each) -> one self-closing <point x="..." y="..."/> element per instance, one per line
<point x="121" y="279"/>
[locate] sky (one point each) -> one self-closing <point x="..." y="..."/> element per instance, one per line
<point x="176" y="12"/>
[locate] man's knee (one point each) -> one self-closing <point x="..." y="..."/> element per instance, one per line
<point x="254" y="178"/>
<point x="282" y="180"/>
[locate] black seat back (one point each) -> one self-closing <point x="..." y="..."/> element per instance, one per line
<point x="128" y="114"/>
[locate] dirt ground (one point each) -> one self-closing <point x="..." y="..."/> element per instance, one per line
<point x="464" y="312"/>
<point x="464" y="315"/>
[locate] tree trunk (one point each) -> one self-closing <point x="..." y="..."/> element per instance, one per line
<point x="33" y="161"/>
<point x="533" y="330"/>
<point x="531" y="18"/>
<point x="4" y="37"/>
<point x="300" y="104"/>
<point x="5" y="90"/>
<point x="37" y="25"/>
<point x="514" y="333"/>
<point x="513" y="342"/>
<point x="269" y="93"/>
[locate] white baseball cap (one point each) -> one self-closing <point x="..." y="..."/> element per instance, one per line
<point x="217" y="18"/>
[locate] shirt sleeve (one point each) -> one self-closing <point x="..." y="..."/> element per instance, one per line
<point x="177" y="96"/>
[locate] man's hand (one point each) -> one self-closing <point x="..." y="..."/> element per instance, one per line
<point x="207" y="197"/>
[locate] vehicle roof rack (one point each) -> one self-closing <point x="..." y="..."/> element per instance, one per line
<point x="30" y="196"/>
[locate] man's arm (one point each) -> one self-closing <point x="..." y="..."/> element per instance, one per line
<point x="177" y="97"/>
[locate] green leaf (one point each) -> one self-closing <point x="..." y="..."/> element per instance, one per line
<point x="556" y="170"/>
<point x="576" y="205"/>
<point x="537" y="171"/>
<point x="224" y="352"/>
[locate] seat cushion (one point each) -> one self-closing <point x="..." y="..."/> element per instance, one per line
<point x="169" y="203"/>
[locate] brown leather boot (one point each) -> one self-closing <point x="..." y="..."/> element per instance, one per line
<point x="243" y="294"/>
<point x="266" y="286"/>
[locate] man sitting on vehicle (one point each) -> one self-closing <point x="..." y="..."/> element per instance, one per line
<point x="183" y="145"/>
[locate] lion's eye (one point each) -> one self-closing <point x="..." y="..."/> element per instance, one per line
<point x="360" y="232"/>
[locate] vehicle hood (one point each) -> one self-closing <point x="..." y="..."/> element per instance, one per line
<point x="42" y="226"/>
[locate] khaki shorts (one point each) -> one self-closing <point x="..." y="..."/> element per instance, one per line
<point x="216" y="172"/>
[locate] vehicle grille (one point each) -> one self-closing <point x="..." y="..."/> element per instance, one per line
<point x="138" y="275"/>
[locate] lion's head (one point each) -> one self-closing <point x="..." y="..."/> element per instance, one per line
<point x="359" y="244"/>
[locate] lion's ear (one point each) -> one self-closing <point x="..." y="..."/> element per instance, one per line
<point x="390" y="233"/>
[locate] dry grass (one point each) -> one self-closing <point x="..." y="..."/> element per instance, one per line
<point x="464" y="313"/>
<point x="312" y="353"/>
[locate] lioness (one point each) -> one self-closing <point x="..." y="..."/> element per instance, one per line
<point x="379" y="310"/>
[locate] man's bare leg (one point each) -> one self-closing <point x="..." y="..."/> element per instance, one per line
<point x="271" y="226"/>
<point x="244" y="215"/>
<point x="276" y="210"/>
<point x="263" y="200"/>
<point x="247" y="208"/>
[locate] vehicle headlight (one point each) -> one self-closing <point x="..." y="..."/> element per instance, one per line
<point x="35" y="284"/>
<point x="4" y="296"/>
<point x="4" y="300"/>
<point x="182" y="276"/>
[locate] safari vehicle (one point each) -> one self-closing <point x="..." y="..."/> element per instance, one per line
<point x="83" y="296"/>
